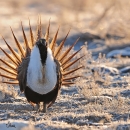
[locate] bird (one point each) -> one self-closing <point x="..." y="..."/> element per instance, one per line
<point x="39" y="67"/>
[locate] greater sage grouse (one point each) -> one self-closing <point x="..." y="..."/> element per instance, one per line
<point x="39" y="67"/>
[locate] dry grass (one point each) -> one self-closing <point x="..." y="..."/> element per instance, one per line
<point x="102" y="103"/>
<point x="100" y="99"/>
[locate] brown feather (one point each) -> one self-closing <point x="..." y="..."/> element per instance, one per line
<point x="67" y="52"/>
<point x="39" y="29"/>
<point x="22" y="73"/>
<point x="11" y="82"/>
<point x="13" y="52"/>
<point x="10" y="57"/>
<point x="47" y="33"/>
<point x="8" y="76"/>
<point x="67" y="83"/>
<point x="31" y="35"/>
<point x="71" y="71"/>
<point x="53" y="42"/>
<point x="69" y="58"/>
<point x="25" y="38"/>
<point x="60" y="46"/>
<point x="8" y="70"/>
<point x="20" y="60"/>
<point x="20" y="48"/>
<point x="9" y="65"/>
<point x="71" y="63"/>
<point x="70" y="78"/>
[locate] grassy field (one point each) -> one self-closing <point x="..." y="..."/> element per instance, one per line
<point x="99" y="100"/>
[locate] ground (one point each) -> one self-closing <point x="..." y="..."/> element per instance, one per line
<point x="99" y="100"/>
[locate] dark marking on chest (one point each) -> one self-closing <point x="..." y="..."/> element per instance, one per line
<point x="42" y="45"/>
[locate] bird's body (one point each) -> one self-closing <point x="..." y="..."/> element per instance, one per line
<point x="40" y="69"/>
<point x="47" y="98"/>
<point x="41" y="74"/>
<point x="41" y="78"/>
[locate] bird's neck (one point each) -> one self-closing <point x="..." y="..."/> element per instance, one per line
<point x="43" y="53"/>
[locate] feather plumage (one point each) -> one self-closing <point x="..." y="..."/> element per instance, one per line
<point x="21" y="61"/>
<point x="19" y="46"/>
<point x="31" y="35"/>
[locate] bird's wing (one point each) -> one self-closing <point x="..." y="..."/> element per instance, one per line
<point x="59" y="74"/>
<point x="22" y="73"/>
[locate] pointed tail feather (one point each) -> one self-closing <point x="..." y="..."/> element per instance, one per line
<point x="31" y="34"/>
<point x="20" y="48"/>
<point x="47" y="33"/>
<point x="15" y="54"/>
<point x="8" y="70"/>
<point x="10" y="57"/>
<point x="71" y="71"/>
<point x="9" y="65"/>
<point x="70" y="78"/>
<point x="71" y="63"/>
<point x="39" y="29"/>
<point x="68" y="59"/>
<point x="11" y="82"/>
<point x="53" y="42"/>
<point x="60" y="46"/>
<point x="67" y="83"/>
<point x="25" y="38"/>
<point x="67" y="52"/>
<point x="8" y="76"/>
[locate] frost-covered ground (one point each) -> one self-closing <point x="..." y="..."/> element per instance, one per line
<point x="100" y="100"/>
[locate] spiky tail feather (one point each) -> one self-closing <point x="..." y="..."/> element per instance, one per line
<point x="64" y="60"/>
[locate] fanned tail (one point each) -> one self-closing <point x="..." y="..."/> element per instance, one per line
<point x="39" y="29"/>
<point x="19" y="47"/>
<point x="11" y="66"/>
<point x="60" y="46"/>
<point x="65" y="59"/>
<point x="8" y="71"/>
<point x="53" y="42"/>
<point x="67" y="52"/>
<point x="31" y="35"/>
<point x="15" y="54"/>
<point x="11" y="82"/>
<point x="11" y="58"/>
<point x="47" y="33"/>
<point x="8" y="76"/>
<point x="15" y="58"/>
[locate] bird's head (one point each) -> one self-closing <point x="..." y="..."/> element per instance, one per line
<point x="42" y="46"/>
<point x="41" y="43"/>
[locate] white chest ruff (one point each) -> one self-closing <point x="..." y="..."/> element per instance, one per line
<point x="39" y="79"/>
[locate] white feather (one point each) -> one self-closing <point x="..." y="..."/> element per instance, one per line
<point x="39" y="79"/>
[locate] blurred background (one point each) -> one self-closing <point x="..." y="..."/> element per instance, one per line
<point x="103" y="24"/>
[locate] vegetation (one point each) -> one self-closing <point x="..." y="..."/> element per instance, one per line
<point x="101" y="98"/>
